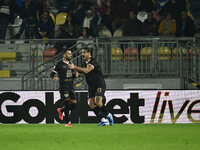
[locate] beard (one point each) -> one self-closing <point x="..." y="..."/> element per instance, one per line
<point x="68" y="59"/>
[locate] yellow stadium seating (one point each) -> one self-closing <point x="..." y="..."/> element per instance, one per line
<point x="52" y="17"/>
<point x="4" y="73"/>
<point x="178" y="51"/>
<point x="117" y="53"/>
<point x="61" y="18"/>
<point x="164" y="53"/>
<point x="146" y="53"/>
<point x="7" y="56"/>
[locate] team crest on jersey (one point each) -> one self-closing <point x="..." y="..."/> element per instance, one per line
<point x="66" y="95"/>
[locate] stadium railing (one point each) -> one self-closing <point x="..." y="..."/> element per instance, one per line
<point x="128" y="57"/>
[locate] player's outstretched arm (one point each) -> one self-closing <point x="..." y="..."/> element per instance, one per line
<point x="84" y="70"/>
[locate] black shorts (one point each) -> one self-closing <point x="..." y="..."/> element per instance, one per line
<point x="68" y="95"/>
<point x="93" y="92"/>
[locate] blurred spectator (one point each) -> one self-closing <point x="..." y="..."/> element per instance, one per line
<point x="69" y="29"/>
<point x="79" y="14"/>
<point x="40" y="7"/>
<point x="45" y="27"/>
<point x="173" y="7"/>
<point x="69" y="5"/>
<point x="19" y="3"/>
<point x="185" y="26"/>
<point x="84" y="39"/>
<point x="195" y="8"/>
<point x="188" y="4"/>
<point x="105" y="14"/>
<point x="95" y="23"/>
<point x="133" y="27"/>
<point x="120" y="12"/>
<point x="197" y="27"/>
<point x="146" y="5"/>
<point x="28" y="14"/>
<point x="87" y="19"/>
<point x="150" y="25"/>
<point x="7" y="14"/>
<point x="167" y="26"/>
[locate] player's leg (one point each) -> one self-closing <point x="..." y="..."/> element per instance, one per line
<point x="67" y="114"/>
<point x="61" y="110"/>
<point x="104" y="109"/>
<point x="73" y="101"/>
<point x="94" y="108"/>
<point x="66" y="108"/>
<point x="99" y="104"/>
<point x="97" y="111"/>
<point x="100" y="101"/>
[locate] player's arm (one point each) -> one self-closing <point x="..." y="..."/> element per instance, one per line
<point x="52" y="75"/>
<point x="76" y="74"/>
<point x="84" y="70"/>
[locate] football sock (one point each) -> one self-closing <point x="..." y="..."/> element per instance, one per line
<point x="104" y="110"/>
<point x="98" y="112"/>
<point x="66" y="111"/>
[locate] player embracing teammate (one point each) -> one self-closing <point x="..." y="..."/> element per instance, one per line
<point x="96" y="87"/>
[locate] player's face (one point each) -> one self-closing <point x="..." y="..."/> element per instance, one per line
<point x="68" y="55"/>
<point x="85" y="54"/>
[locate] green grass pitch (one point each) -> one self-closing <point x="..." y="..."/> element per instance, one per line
<point x="91" y="137"/>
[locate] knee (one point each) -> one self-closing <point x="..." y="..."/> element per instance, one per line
<point x="99" y="104"/>
<point x="92" y="106"/>
<point x="98" y="101"/>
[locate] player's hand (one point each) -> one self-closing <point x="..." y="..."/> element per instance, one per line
<point x="71" y="66"/>
<point x="55" y="79"/>
<point x="90" y="66"/>
<point x="76" y="74"/>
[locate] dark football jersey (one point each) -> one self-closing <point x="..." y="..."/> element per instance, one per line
<point x="66" y="75"/>
<point x="95" y="77"/>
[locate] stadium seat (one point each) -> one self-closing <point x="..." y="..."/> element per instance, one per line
<point x="131" y="53"/>
<point x="146" y="53"/>
<point x="61" y="18"/>
<point x="118" y="33"/>
<point x="177" y="52"/>
<point x="45" y="40"/>
<point x="4" y="73"/>
<point x="49" y="53"/>
<point x="52" y="17"/>
<point x="164" y="53"/>
<point x="105" y="32"/>
<point x="7" y="56"/>
<point x="191" y="53"/>
<point x="190" y="15"/>
<point x="117" y="53"/>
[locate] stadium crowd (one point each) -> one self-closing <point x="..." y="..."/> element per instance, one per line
<point x="99" y="18"/>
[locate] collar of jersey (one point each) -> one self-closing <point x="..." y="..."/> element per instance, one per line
<point x="66" y="62"/>
<point x="87" y="61"/>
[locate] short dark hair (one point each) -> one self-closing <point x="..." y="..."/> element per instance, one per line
<point x="65" y="50"/>
<point x="87" y="49"/>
